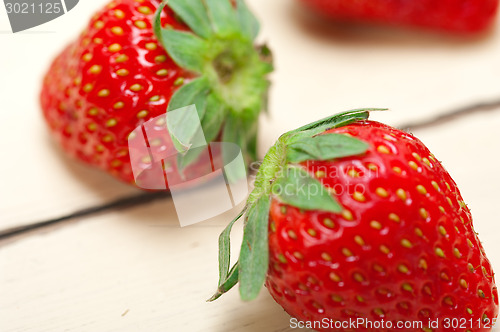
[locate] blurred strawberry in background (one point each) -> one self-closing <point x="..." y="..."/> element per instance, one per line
<point x="458" y="16"/>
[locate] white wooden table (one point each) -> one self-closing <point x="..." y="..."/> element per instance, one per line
<point x="135" y="269"/>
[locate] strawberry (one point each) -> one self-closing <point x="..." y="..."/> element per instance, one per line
<point x="352" y="220"/>
<point x="131" y="64"/>
<point x="460" y="16"/>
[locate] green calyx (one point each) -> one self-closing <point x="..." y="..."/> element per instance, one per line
<point x="231" y="85"/>
<point x="281" y="176"/>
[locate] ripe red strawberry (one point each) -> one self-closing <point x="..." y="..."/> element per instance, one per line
<point x="463" y="16"/>
<point x="352" y="219"/>
<point x="121" y="73"/>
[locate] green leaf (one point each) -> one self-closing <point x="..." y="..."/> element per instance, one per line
<point x="336" y="121"/>
<point x="214" y="117"/>
<point x="194" y="14"/>
<point x="248" y="22"/>
<point x="298" y="188"/>
<point x="225" y="248"/>
<point x="191" y="93"/>
<point x="185" y="48"/>
<point x="228" y="283"/>
<point x="254" y="254"/>
<point x="223" y="17"/>
<point x="325" y="147"/>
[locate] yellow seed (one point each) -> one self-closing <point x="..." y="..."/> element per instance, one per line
<point x="381" y="192"/>
<point x="376" y="225"/>
<point x="318" y="174"/>
<point x="378" y="268"/>
<point x="154" y="98"/>
<point x="87" y="57"/>
<point x="335" y="277"/>
<point x="326" y="257"/>
<point x="115" y="47"/>
<point x="103" y="93"/>
<point x="328" y="223"/>
<point x="98" y="40"/>
<point x="136" y="87"/>
<point x="347" y="215"/>
<point x="447" y="185"/>
<point x="442" y="230"/>
<point x="298" y="255"/>
<point x="435" y="185"/>
<point x="384" y="249"/>
<point x="336" y="298"/>
<point x="413" y="165"/>
<point x="457" y="253"/>
<point x="119" y="14"/>
<point x="142" y="114"/>
<point x="423" y="213"/>
<point x="77" y="81"/>
<point x="439" y="252"/>
<point x="481" y="293"/>
<point x="352" y="173"/>
<point x="179" y="81"/>
<point x="406" y="243"/>
<point x="88" y="87"/>
<point x="99" y="24"/>
<point x="282" y="259"/>
<point x="383" y="149"/>
<point x="346" y="252"/>
<point x="111" y="123"/>
<point x="312" y="232"/>
<point x="93" y="111"/>
<point x="119" y="105"/>
<point x="162" y="72"/>
<point x="442" y="209"/>
<point x="116" y="163"/>
<point x="132" y="135"/>
<point x="144" y="10"/>
<point x="426" y="161"/>
<point x="448" y="301"/>
<point x="117" y="31"/>
<point x="121" y="58"/>
<point x="401" y="194"/>
<point x="407" y="287"/>
<point x="151" y="46"/>
<point x="107" y="138"/>
<point x="91" y="126"/>
<point x="397" y="170"/>
<point x="419" y="232"/>
<point x="358" y="277"/>
<point x="470" y="244"/>
<point x="359" y="240"/>
<point x="160" y="58"/>
<point x="378" y="312"/>
<point x="372" y="167"/>
<point x="394" y="217"/>
<point x="99" y="148"/>
<point x="95" y="69"/>
<point x="122" y="72"/>
<point x="273" y="226"/>
<point x="416" y="156"/>
<point x="463" y="284"/>
<point x="423" y="264"/>
<point x="140" y="24"/>
<point x="449" y="201"/>
<point x="469" y="311"/>
<point x="403" y="269"/>
<point x="359" y="196"/>
<point x="421" y="189"/>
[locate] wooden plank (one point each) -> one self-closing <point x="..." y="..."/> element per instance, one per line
<point x="321" y="69"/>
<point x="138" y="270"/>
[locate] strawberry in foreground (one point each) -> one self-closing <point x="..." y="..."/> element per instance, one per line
<point x="460" y="16"/>
<point x="351" y="219"/>
<point x="125" y="70"/>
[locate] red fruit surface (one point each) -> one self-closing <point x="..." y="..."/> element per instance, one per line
<point x="404" y="249"/>
<point x="463" y="16"/>
<point x="109" y="81"/>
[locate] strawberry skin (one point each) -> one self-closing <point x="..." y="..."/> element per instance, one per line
<point x="355" y="221"/>
<point x="461" y="16"/>
<point x="403" y="249"/>
<point x="117" y="75"/>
